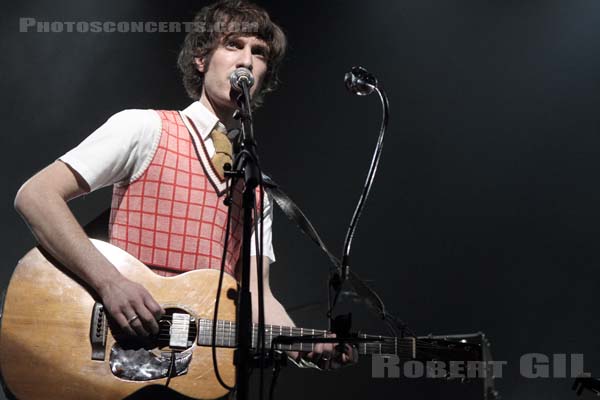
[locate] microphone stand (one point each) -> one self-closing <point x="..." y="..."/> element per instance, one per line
<point x="360" y="82"/>
<point x="246" y="165"/>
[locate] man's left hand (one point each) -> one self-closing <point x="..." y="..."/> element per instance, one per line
<point x="332" y="355"/>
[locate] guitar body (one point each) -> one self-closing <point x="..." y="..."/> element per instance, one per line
<point x="45" y="348"/>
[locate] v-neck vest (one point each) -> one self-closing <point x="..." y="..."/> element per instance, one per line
<point x="172" y="218"/>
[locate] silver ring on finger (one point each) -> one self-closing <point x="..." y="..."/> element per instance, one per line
<point x="130" y="320"/>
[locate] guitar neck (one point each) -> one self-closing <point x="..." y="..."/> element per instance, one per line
<point x="226" y="337"/>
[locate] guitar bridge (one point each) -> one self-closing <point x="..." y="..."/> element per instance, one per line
<point x="98" y="331"/>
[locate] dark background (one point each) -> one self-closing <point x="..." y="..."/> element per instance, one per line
<point x="484" y="214"/>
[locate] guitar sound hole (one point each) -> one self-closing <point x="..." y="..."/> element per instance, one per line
<point x="167" y="322"/>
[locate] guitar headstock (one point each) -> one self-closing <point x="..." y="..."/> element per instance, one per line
<point x="449" y="348"/>
<point x="464" y="357"/>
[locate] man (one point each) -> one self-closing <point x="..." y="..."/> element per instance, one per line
<point x="167" y="168"/>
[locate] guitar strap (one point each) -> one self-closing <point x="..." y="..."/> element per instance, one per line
<point x="365" y="293"/>
<point x="295" y="214"/>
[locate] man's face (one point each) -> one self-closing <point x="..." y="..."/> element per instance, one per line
<point x="234" y="52"/>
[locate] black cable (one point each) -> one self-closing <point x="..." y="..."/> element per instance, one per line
<point x="229" y="193"/>
<point x="258" y="243"/>
<point x="171" y="369"/>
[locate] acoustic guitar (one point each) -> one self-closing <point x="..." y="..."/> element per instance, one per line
<point x="56" y="342"/>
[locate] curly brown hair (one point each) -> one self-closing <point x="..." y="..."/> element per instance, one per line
<point x="220" y="21"/>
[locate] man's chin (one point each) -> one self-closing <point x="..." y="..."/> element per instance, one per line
<point x="233" y="97"/>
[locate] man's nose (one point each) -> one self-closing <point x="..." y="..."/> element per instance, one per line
<point x="245" y="58"/>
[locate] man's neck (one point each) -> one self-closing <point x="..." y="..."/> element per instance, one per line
<point x="225" y="115"/>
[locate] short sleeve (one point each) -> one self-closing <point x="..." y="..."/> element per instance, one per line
<point x="118" y="151"/>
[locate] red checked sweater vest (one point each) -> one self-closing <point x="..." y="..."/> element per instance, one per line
<point x="172" y="218"/>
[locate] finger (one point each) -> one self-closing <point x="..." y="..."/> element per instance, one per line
<point x="138" y="327"/>
<point x="123" y="325"/>
<point x="135" y="323"/>
<point x="326" y="360"/>
<point x="331" y="347"/>
<point x="316" y="355"/>
<point x="155" y="308"/>
<point x="328" y="347"/>
<point x="347" y="355"/>
<point x="317" y="350"/>
<point x="147" y="319"/>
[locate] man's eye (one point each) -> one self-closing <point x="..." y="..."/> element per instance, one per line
<point x="260" y="53"/>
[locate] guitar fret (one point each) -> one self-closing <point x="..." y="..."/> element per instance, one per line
<point x="364" y="344"/>
<point x="296" y="332"/>
<point x="289" y="334"/>
<point x="312" y="345"/>
<point x="229" y="336"/>
<point x="216" y="324"/>
<point x="221" y="331"/>
<point x="219" y="336"/>
<point x="379" y="344"/>
<point x="270" y="336"/>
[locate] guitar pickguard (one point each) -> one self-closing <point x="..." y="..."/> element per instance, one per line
<point x="148" y="359"/>
<point x="145" y="365"/>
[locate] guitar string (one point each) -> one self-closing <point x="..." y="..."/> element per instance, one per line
<point x="367" y="348"/>
<point x="226" y="327"/>
<point x="228" y="332"/>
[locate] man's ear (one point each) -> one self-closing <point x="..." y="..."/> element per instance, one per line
<point x="200" y="64"/>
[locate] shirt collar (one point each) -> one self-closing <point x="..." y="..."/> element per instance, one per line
<point x="204" y="120"/>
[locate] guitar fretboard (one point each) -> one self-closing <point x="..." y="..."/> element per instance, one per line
<point x="226" y="337"/>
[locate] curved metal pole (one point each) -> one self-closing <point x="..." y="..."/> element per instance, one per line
<point x="368" y="184"/>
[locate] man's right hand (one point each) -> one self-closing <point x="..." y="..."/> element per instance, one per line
<point x="42" y="203"/>
<point x="131" y="306"/>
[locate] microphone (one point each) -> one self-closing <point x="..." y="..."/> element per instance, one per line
<point x="241" y="75"/>
<point x="360" y="82"/>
